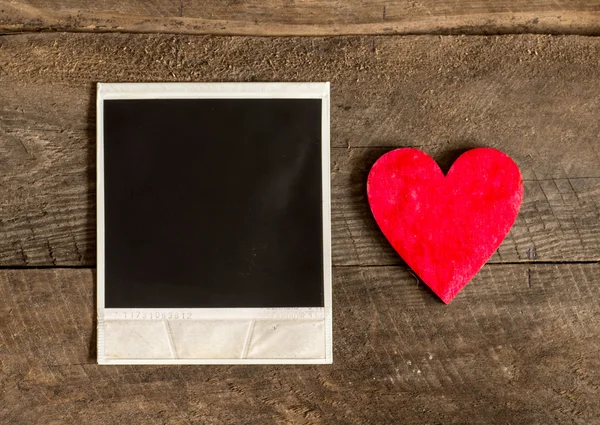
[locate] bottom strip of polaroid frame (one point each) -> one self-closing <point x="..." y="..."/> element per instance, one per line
<point x="214" y="336"/>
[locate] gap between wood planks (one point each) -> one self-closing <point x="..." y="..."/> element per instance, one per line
<point x="342" y="266"/>
<point x="592" y="34"/>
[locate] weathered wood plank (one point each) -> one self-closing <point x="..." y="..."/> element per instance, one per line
<point x="518" y="345"/>
<point x="314" y="17"/>
<point x="535" y="97"/>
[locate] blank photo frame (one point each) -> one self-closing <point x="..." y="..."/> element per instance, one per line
<point x="214" y="228"/>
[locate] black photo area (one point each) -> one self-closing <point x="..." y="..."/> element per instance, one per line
<point x="213" y="203"/>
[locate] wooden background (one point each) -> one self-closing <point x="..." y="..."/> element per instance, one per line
<point x="519" y="345"/>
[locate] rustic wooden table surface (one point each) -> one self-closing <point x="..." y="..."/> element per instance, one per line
<point x="520" y="344"/>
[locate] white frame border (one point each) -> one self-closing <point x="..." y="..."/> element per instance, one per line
<point x="107" y="91"/>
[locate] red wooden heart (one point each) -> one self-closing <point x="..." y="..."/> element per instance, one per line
<point x="445" y="227"/>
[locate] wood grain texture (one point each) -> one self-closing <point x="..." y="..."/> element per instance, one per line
<point x="518" y="345"/>
<point x="535" y="97"/>
<point x="312" y="17"/>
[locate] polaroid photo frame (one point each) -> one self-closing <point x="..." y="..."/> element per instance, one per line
<point x="213" y="223"/>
